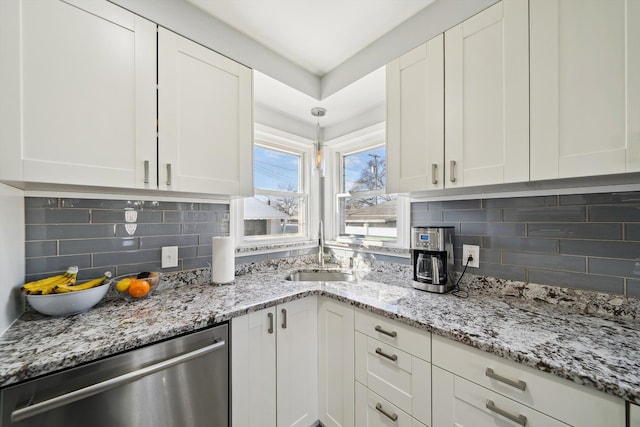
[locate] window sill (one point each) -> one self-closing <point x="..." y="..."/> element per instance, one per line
<point x="251" y="248"/>
<point x="370" y="247"/>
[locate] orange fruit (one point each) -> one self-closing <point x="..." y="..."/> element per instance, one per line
<point x="139" y="288"/>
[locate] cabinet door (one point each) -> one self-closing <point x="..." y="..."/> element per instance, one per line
<point x="297" y="365"/>
<point x="205" y="119"/>
<point x="634" y="415"/>
<point x="415" y="119"/>
<point x="487" y="97"/>
<point x="253" y="369"/>
<point x="585" y="87"/>
<point x="336" y="376"/>
<point x="80" y="93"/>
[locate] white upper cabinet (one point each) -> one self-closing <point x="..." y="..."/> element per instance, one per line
<point x="78" y="85"/>
<point x="585" y="87"/>
<point x="81" y="103"/>
<point x="205" y="119"/>
<point x="487" y="97"/>
<point x="415" y="119"/>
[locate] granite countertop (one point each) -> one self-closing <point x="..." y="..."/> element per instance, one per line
<point x="592" y="341"/>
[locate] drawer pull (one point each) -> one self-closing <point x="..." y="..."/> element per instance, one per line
<point x="519" y="384"/>
<point x="434" y="174"/>
<point x="520" y="419"/>
<point x="392" y="417"/>
<point x="392" y="357"/>
<point x="391" y="334"/>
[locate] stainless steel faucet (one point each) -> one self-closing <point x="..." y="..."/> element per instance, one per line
<point x="320" y="245"/>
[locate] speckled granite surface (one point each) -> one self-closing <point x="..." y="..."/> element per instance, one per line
<point x="547" y="328"/>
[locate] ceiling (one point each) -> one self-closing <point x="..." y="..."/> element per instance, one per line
<point x="317" y="35"/>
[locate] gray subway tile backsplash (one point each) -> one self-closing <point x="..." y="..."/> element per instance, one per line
<point x="587" y="241"/>
<point x="96" y="234"/>
<point x="118" y="215"/>
<point x="546" y="214"/>
<point x="614" y="213"/>
<point x="590" y="282"/>
<point x="584" y="241"/>
<point x="56" y="216"/>
<point x="575" y="231"/>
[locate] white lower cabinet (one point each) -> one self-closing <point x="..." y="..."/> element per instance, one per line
<point x="274" y="366"/>
<point x="336" y="375"/>
<point x="389" y="367"/>
<point x="475" y="388"/>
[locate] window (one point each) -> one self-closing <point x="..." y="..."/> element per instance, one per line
<point x="279" y="210"/>
<point x="364" y="212"/>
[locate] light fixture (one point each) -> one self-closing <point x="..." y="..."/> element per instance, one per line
<point x="318" y="112"/>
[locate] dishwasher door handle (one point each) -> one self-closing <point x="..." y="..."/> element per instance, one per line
<point x="82" y="393"/>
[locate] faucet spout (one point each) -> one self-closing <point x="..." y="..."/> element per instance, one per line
<point x="321" y="245"/>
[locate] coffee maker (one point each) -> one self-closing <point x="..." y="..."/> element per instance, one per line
<point x="432" y="258"/>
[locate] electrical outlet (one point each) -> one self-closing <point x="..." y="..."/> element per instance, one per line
<point x="169" y="256"/>
<point x="474" y="252"/>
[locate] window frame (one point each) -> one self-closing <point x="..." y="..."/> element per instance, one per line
<point x="362" y="140"/>
<point x="285" y="142"/>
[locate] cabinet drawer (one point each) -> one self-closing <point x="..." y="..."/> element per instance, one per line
<point x="579" y="405"/>
<point x="471" y="405"/>
<point x="406" y="338"/>
<point x="374" y="411"/>
<point x="399" y="377"/>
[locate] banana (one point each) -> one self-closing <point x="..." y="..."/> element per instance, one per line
<point x="66" y="287"/>
<point x="45" y="286"/>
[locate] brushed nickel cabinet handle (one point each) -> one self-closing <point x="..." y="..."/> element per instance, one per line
<point x="168" y="173"/>
<point x="391" y="334"/>
<point x="520" y="419"/>
<point x="270" y="316"/>
<point x="284" y="318"/>
<point x="519" y="384"/>
<point x="146" y="171"/>
<point x="392" y="357"/>
<point x="434" y="173"/>
<point x="452" y="171"/>
<point x="392" y="417"/>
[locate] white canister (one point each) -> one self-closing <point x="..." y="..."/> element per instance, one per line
<point x="223" y="264"/>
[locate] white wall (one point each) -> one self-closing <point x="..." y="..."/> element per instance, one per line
<point x="12" y="256"/>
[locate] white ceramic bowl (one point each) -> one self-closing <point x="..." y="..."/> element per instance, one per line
<point x="68" y="303"/>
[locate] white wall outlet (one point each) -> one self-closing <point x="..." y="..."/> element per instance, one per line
<point x="474" y="252"/>
<point x="169" y="256"/>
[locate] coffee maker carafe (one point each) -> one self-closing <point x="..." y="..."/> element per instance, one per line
<point x="432" y="258"/>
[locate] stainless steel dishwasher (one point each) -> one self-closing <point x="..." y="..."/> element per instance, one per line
<point x="180" y="382"/>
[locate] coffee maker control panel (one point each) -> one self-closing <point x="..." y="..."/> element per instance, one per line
<point x="429" y="240"/>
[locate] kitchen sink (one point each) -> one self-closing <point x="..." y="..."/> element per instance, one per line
<point x="321" y="275"/>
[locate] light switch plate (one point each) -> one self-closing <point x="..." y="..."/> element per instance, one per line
<point x="169" y="256"/>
